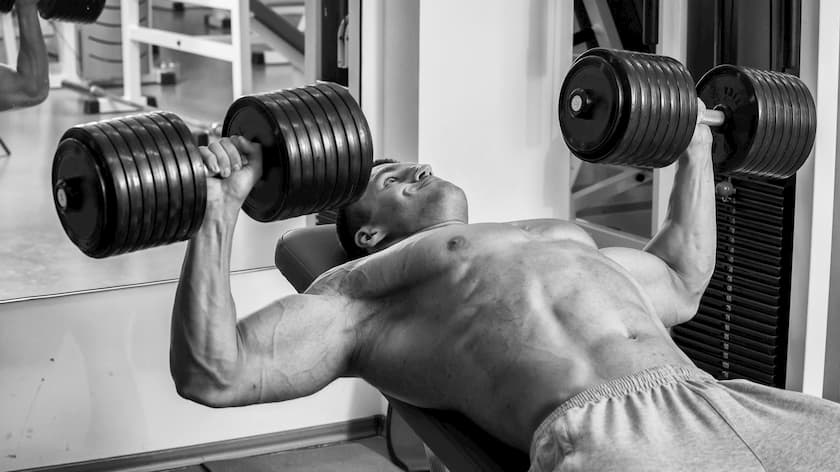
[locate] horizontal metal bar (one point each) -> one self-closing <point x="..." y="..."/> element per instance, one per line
<point x="182" y="42"/>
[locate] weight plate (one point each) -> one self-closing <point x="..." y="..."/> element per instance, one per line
<point x="629" y="128"/>
<point x="341" y="166"/>
<point x="185" y="174"/>
<point x="169" y="164"/>
<point x="160" y="211"/>
<point x="257" y="118"/>
<point x="785" y="130"/>
<point x="365" y="140"/>
<point x="116" y="181"/>
<point x="147" y="180"/>
<point x="808" y="123"/>
<point x="135" y="187"/>
<point x="799" y="116"/>
<point x="733" y="90"/>
<point x="84" y="11"/>
<point x="6" y="5"/>
<point x="83" y="196"/>
<point x="306" y="153"/>
<point x="643" y="155"/>
<point x="757" y="158"/>
<point x="335" y="143"/>
<point x="684" y="84"/>
<point x="668" y="116"/>
<point x="594" y="132"/>
<point x="774" y="123"/>
<point x="353" y="145"/>
<point x="327" y="189"/>
<point x="294" y="132"/>
<point x="315" y="187"/>
<point x="198" y="169"/>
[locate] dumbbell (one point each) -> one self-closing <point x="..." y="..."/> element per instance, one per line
<point x="73" y="11"/>
<point x="134" y="182"/>
<point x="638" y="109"/>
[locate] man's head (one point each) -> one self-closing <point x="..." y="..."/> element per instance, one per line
<point x="401" y="199"/>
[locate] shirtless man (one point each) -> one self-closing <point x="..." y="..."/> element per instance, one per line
<point x="30" y="83"/>
<point x="547" y="342"/>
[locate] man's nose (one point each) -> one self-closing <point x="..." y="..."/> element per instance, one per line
<point x="421" y="171"/>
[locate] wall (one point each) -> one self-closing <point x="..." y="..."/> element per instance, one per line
<point x="489" y="78"/>
<point x="87" y="377"/>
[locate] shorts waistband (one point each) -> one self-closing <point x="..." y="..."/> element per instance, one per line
<point x="622" y="386"/>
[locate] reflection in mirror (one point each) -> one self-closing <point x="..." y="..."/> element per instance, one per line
<point x="617" y="197"/>
<point x="36" y="256"/>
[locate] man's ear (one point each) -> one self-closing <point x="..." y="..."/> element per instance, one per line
<point x="368" y="236"/>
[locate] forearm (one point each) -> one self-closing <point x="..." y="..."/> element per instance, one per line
<point x="32" y="62"/>
<point x="204" y="349"/>
<point x="687" y="240"/>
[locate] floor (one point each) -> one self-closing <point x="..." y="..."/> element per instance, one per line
<point x="36" y="257"/>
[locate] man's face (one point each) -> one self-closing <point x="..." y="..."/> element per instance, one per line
<point x="404" y="198"/>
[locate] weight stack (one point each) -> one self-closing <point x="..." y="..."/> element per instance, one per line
<point x="740" y="330"/>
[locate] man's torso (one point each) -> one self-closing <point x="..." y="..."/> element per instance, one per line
<point x="498" y="323"/>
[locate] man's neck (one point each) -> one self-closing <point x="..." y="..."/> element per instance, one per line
<point x="422" y="231"/>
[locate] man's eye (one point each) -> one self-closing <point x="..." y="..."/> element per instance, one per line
<point x="390" y="180"/>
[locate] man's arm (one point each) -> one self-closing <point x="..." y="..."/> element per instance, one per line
<point x="677" y="264"/>
<point x="289" y="349"/>
<point x="30" y="83"/>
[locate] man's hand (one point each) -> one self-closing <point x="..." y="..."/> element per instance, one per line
<point x="235" y="166"/>
<point x="700" y="146"/>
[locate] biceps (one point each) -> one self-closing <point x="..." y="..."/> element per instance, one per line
<point x="293" y="348"/>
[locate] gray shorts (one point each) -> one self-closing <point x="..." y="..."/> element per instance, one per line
<point x="682" y="419"/>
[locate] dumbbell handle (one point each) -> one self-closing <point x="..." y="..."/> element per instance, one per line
<point x="712" y="118"/>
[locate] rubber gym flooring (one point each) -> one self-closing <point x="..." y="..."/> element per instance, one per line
<point x="37" y="257"/>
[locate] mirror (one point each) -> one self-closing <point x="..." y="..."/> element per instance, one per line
<point x="37" y="258"/>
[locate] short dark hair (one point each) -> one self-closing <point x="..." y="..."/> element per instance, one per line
<point x="349" y="219"/>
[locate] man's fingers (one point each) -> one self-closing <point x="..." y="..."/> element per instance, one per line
<point x="222" y="158"/>
<point x="210" y="160"/>
<point x="233" y="154"/>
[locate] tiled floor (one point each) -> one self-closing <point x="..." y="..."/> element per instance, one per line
<point x="36" y="257"/>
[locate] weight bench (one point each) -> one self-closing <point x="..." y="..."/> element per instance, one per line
<point x="305" y="253"/>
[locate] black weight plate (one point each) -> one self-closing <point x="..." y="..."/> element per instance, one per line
<point x="330" y="151"/>
<point x="185" y="174"/>
<point x="733" y="89"/>
<point x="315" y="187"/>
<point x="84" y="196"/>
<point x="353" y="145"/>
<point x="365" y="140"/>
<point x="198" y="169"/>
<point x="341" y="167"/>
<point x="172" y="214"/>
<point x="635" y="153"/>
<point x="808" y="119"/>
<point x="687" y="98"/>
<point x="594" y="136"/>
<point x="785" y="129"/>
<point x="299" y="161"/>
<point x="757" y="158"/>
<point x="680" y="109"/>
<point x="632" y="91"/>
<point x="147" y="180"/>
<point x="667" y="118"/>
<point x="258" y="118"/>
<point x="306" y="153"/>
<point x="770" y="149"/>
<point x="331" y="125"/>
<point x="6" y="5"/>
<point x="160" y="215"/>
<point x="96" y="140"/>
<point x="135" y="186"/>
<point x="799" y="113"/>
<point x="811" y="111"/>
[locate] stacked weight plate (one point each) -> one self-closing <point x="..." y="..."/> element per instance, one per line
<point x="640" y="108"/>
<point x="317" y="149"/>
<point x="129" y="183"/>
<point x="740" y="329"/>
<point x="776" y="116"/>
<point x="76" y="11"/>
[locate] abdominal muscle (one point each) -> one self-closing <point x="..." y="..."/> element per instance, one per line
<point x="506" y="337"/>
